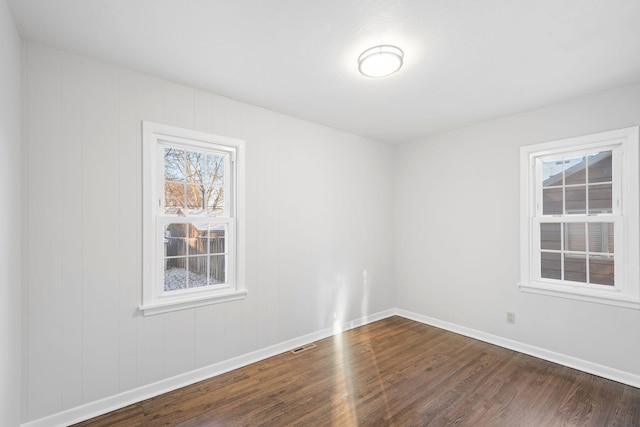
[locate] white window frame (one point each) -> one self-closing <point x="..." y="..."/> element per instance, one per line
<point x="625" y="216"/>
<point x="155" y="300"/>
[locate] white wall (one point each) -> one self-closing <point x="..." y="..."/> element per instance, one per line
<point x="319" y="217"/>
<point x="10" y="218"/>
<point x="457" y="244"/>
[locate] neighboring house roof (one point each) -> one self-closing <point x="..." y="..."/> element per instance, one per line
<point x="556" y="180"/>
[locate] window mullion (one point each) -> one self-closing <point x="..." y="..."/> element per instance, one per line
<point x="617" y="178"/>
<point x="208" y="255"/>
<point x="564" y="195"/>
<point x="586" y="186"/>
<point x="185" y="187"/>
<point x="587" y="249"/>
<point x="562" y="249"/>
<point x="539" y="199"/>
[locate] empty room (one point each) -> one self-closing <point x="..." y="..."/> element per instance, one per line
<point x="333" y="213"/>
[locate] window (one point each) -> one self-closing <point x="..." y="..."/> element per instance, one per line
<point x="579" y="218"/>
<point x="192" y="216"/>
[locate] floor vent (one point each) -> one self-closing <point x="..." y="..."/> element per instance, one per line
<point x="303" y="348"/>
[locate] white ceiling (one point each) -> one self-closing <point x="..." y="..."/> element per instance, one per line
<point x="465" y="60"/>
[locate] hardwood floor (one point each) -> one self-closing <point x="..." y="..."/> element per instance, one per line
<point x="394" y="372"/>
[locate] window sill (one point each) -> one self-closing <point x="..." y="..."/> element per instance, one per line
<point x="191" y="302"/>
<point x="573" y="292"/>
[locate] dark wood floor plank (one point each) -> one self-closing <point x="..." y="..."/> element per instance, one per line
<point x="395" y="372"/>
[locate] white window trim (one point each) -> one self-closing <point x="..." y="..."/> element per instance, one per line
<point x="154" y="299"/>
<point x="627" y="236"/>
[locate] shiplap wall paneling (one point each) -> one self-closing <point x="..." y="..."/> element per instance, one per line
<point x="100" y="225"/>
<point x="71" y="204"/>
<point x="293" y="257"/>
<point x="12" y="193"/>
<point x="129" y="219"/>
<point x="251" y="130"/>
<point x="177" y="105"/>
<point x="44" y="255"/>
<point x="262" y="226"/>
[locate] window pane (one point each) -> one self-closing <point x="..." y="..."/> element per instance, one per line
<point x="195" y="198"/>
<point x="551" y="173"/>
<point x="214" y="179"/>
<point x="173" y="165"/>
<point x="601" y="237"/>
<point x="575" y="170"/>
<point x="173" y="198"/>
<point x="552" y="201"/>
<point x="217" y="239"/>
<point x="550" y="265"/>
<point x="600" y="168"/>
<point x="198" y="239"/>
<point x="175" y="243"/>
<point x="218" y="269"/>
<point x="575" y="236"/>
<point x="209" y="199"/>
<point x="550" y="236"/>
<point x="189" y="262"/>
<point x="215" y="169"/>
<point x="195" y="166"/>
<point x="601" y="270"/>
<point x="575" y="268"/>
<point x="576" y="202"/>
<point x="175" y="277"/>
<point x="600" y="198"/>
<point x="215" y="201"/>
<point x="197" y="271"/>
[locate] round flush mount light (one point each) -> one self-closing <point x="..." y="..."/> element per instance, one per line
<point x="380" y="61"/>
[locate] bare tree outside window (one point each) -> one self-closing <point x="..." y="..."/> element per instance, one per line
<point x="194" y="182"/>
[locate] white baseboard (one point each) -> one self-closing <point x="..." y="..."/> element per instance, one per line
<point x="562" y="359"/>
<point x="111" y="403"/>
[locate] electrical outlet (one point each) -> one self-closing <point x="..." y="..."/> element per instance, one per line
<point x="511" y="318"/>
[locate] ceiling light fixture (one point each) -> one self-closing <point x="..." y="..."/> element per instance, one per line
<point x="380" y="61"/>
